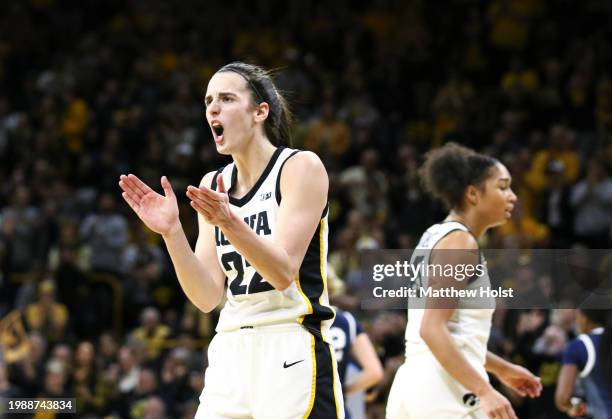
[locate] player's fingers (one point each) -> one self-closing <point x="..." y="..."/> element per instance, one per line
<point x="220" y="184"/>
<point x="529" y="388"/>
<point x="133" y="204"/>
<point x="539" y="384"/>
<point x="143" y="187"/>
<point x="202" y="194"/>
<point x="208" y="216"/>
<point x="202" y="210"/>
<point x="165" y="183"/>
<point x="203" y="201"/>
<point x="509" y="411"/>
<point x="533" y="387"/>
<point x="132" y="186"/>
<point x="196" y="192"/>
<point x="209" y="193"/>
<point x="128" y="187"/>
<point x="521" y="391"/>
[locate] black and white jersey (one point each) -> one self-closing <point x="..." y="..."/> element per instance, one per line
<point x="251" y="300"/>
<point x="470" y="324"/>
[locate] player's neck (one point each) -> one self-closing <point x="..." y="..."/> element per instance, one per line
<point x="469" y="219"/>
<point x="251" y="163"/>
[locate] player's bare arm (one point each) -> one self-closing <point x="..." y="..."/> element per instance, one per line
<point x="363" y="351"/>
<point x="514" y="376"/>
<point x="198" y="273"/>
<point x="435" y="333"/>
<point x="565" y="388"/>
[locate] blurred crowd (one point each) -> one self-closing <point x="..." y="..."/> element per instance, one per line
<point x="89" y="302"/>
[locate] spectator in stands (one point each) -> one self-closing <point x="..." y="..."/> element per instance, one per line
<point x="54" y="384"/>
<point x="147" y="387"/>
<point x="6" y="389"/>
<point x="129" y="370"/>
<point x="106" y="233"/>
<point x="84" y="379"/>
<point x="592" y="202"/>
<point x="107" y="351"/>
<point x="152" y="333"/>
<point x="20" y="226"/>
<point x="154" y="408"/>
<point x="327" y="135"/>
<point x="560" y="148"/>
<point x="46" y="315"/>
<point x="555" y="209"/>
<point x="28" y="372"/>
<point x="523" y="231"/>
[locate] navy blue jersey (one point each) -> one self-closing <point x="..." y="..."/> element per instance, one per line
<point x="342" y="333"/>
<point x="582" y="352"/>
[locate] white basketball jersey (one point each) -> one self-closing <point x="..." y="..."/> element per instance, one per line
<point x="251" y="300"/>
<point x="470" y="324"/>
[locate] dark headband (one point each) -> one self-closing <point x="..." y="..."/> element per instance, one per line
<point x="246" y="77"/>
<point x="274" y="103"/>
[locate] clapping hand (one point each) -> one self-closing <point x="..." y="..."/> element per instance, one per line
<point x="213" y="205"/>
<point x="159" y="212"/>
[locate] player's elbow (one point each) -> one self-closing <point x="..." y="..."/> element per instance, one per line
<point x="282" y="282"/>
<point x="285" y="276"/>
<point x="429" y="332"/>
<point x="206" y="307"/>
<point x="282" y="286"/>
<point x="425" y="332"/>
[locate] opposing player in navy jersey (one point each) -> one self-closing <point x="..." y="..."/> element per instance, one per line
<point x="351" y="343"/>
<point x="588" y="359"/>
<point x="445" y="372"/>
<point x="263" y="232"/>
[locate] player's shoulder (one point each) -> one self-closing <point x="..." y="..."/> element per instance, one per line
<point x="457" y="239"/>
<point x="575" y="347"/>
<point x="304" y="161"/>
<point x="304" y="171"/>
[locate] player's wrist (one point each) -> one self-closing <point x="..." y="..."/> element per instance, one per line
<point x="483" y="390"/>
<point x="174" y="230"/>
<point x="230" y="222"/>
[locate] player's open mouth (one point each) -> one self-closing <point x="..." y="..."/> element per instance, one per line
<point x="218" y="131"/>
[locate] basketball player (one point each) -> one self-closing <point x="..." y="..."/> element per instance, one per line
<point x="445" y="372"/>
<point x="351" y="342"/>
<point x="588" y="358"/>
<point x="263" y="227"/>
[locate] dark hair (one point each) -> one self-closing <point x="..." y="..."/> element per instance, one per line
<point x="278" y="124"/>
<point x="604" y="354"/>
<point x="448" y="170"/>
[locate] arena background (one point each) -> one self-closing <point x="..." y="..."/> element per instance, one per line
<point x="92" y="89"/>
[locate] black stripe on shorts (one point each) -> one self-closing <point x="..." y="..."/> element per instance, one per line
<point x="325" y="406"/>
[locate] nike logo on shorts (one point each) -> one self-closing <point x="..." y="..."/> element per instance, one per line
<point x="285" y="365"/>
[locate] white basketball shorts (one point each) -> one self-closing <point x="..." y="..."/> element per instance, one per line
<point x="422" y="389"/>
<point x="271" y="372"/>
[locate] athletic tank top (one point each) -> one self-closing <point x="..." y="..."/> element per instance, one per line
<point x="470" y="324"/>
<point x="251" y="300"/>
